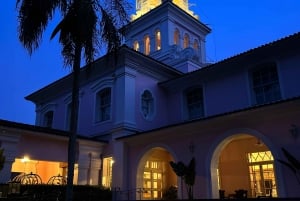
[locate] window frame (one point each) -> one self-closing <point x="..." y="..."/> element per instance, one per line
<point x="150" y="101"/>
<point x="100" y="108"/>
<point x="186" y="41"/>
<point x="188" y="113"/>
<point x="265" y="83"/>
<point x="158" y="40"/>
<point x="147" y="44"/>
<point x="176" y="37"/>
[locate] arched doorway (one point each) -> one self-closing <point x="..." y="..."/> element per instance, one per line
<point x="155" y="176"/>
<point x="243" y="162"/>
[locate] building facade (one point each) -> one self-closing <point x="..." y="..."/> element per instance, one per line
<point x="160" y="101"/>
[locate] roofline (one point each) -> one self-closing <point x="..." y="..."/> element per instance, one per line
<point x="208" y="29"/>
<point x="233" y="58"/>
<point x="39" y="129"/>
<point x="256" y="107"/>
<point x="31" y="97"/>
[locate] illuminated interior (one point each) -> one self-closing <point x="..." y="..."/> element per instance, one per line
<point x="155" y="174"/>
<point x="144" y="6"/>
<point x="262" y="175"/>
<point x="153" y="180"/>
<point x="45" y="169"/>
<point x="107" y="172"/>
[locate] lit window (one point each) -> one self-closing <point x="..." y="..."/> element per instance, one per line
<point x="176" y="37"/>
<point x="152" y="180"/>
<point x="48" y="119"/>
<point x="194" y="100"/>
<point x="196" y="45"/>
<point x="103" y="105"/>
<point x="265" y="83"/>
<point x="107" y="172"/>
<point x="262" y="175"/>
<point x="157" y="40"/>
<point x="186" y="41"/>
<point x="136" y="46"/>
<point x="147" y="104"/>
<point x="147" y="45"/>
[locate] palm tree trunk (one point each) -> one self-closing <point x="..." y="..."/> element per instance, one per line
<point x="73" y="122"/>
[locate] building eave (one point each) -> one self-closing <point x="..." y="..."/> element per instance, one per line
<point x="126" y="56"/>
<point x="252" y="56"/>
<point x="42" y="131"/>
<point x="235" y="113"/>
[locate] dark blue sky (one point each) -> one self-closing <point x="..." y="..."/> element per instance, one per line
<point x="237" y="26"/>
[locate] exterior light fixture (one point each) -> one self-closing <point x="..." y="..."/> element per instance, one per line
<point x="25" y="159"/>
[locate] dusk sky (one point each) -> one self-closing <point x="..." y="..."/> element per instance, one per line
<point x="237" y="26"/>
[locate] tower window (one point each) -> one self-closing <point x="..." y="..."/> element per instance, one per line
<point x="136" y="46"/>
<point x="186" y="41"/>
<point x="147" y="45"/>
<point x="157" y="40"/>
<point x="176" y="37"/>
<point x="196" y="45"/>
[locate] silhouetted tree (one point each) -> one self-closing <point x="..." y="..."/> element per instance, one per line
<point x="292" y="163"/>
<point x="84" y="23"/>
<point x="187" y="173"/>
<point x="2" y="158"/>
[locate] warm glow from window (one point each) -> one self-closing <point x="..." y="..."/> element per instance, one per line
<point x="157" y="40"/>
<point x="261" y="174"/>
<point x="176" y="37"/>
<point x="186" y="41"/>
<point x="136" y="46"/>
<point x="196" y="45"/>
<point x="107" y="171"/>
<point x="45" y="169"/>
<point x="260" y="156"/>
<point x="147" y="45"/>
<point x="153" y="179"/>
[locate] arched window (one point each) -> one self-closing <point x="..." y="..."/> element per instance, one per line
<point x="196" y="45"/>
<point x="48" y="119"/>
<point x="186" y="41"/>
<point x="176" y="37"/>
<point x="147" y="45"/>
<point x="136" y="46"/>
<point x="147" y="104"/>
<point x="157" y="40"/>
<point x="103" y="105"/>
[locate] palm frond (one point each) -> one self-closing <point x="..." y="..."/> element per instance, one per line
<point x="109" y="32"/>
<point x="179" y="168"/>
<point x="293" y="161"/>
<point x="33" y="18"/>
<point x="288" y="165"/>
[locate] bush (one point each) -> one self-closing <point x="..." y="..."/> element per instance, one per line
<point x="44" y="192"/>
<point x="170" y="193"/>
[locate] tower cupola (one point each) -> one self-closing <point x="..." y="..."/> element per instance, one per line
<point x="168" y="31"/>
<point x="144" y="6"/>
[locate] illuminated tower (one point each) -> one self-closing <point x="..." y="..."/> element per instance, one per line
<point x="144" y="6"/>
<point x="168" y="31"/>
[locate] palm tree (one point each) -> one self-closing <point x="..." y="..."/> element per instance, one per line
<point x="83" y="24"/>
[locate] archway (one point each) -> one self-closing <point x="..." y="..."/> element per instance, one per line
<point x="243" y="161"/>
<point x="155" y="176"/>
